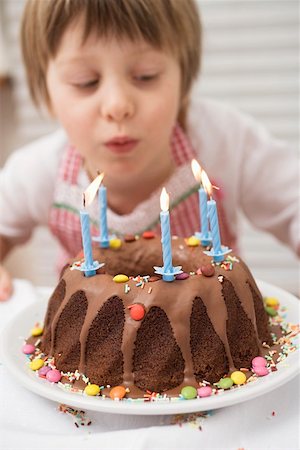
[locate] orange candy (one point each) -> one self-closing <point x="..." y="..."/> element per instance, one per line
<point x="137" y="311"/>
<point x="148" y="235"/>
<point x="117" y="392"/>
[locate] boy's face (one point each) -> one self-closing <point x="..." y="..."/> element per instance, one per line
<point x="117" y="101"/>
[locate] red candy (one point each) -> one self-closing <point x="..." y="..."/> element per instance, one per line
<point x="208" y="270"/>
<point x="182" y="276"/>
<point x="148" y="235"/>
<point x="137" y="311"/>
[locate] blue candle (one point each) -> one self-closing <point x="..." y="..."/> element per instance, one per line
<point x="214" y="226"/>
<point x="166" y="240"/>
<point x="203" y="216"/>
<point x="217" y="251"/>
<point x="167" y="271"/>
<point x="102" y="197"/>
<point x="204" y="234"/>
<point x="86" y="239"/>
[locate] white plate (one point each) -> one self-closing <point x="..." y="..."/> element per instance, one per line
<point x="16" y="362"/>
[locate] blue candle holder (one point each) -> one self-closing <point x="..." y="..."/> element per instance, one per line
<point x="218" y="256"/>
<point x="205" y="238"/>
<point x="168" y="275"/>
<point x="89" y="270"/>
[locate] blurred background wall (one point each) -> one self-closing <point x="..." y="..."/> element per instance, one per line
<point x="251" y="60"/>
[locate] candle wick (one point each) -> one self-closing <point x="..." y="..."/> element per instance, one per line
<point x="83" y="199"/>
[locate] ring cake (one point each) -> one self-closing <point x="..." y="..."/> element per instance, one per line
<point x="127" y="327"/>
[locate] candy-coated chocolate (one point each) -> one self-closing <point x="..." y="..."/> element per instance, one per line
<point x="148" y="235"/>
<point x="28" y="349"/>
<point x="208" y="270"/>
<point x="204" y="391"/>
<point x="271" y="301"/>
<point x="182" y="276"/>
<point x="189" y="392"/>
<point x="225" y="383"/>
<point x="43" y="371"/>
<point x="238" y="377"/>
<point x="271" y="311"/>
<point x="92" y="389"/>
<point x="115" y="243"/>
<point x="129" y="238"/>
<point x="260" y="371"/>
<point x="117" y="392"/>
<point x="259" y="361"/>
<point x="137" y="311"/>
<point x="36" y="331"/>
<point x="53" y="375"/>
<point x="193" y="241"/>
<point x="120" y="278"/>
<point x="36" y="364"/>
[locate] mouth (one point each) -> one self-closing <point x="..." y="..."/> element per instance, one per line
<point x="121" y="144"/>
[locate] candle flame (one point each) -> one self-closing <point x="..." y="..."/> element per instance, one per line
<point x="207" y="184"/>
<point x="164" y="200"/>
<point x="196" y="168"/>
<point x="91" y="190"/>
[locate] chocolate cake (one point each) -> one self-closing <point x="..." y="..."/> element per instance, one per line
<point x="150" y="335"/>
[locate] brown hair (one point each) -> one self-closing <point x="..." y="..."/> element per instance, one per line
<point x="173" y="25"/>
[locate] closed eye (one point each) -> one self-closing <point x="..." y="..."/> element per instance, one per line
<point x="146" y="77"/>
<point x="88" y="84"/>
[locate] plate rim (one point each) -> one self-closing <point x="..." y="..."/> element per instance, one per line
<point x="53" y="392"/>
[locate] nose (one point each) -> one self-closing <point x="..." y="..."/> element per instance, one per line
<point x="117" y="103"/>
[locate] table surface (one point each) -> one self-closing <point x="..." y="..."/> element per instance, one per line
<point x="28" y="421"/>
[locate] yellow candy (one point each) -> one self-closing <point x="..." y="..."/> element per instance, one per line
<point x="238" y="377"/>
<point x="36" y="364"/>
<point x="271" y="301"/>
<point x="193" y="241"/>
<point x="36" y="331"/>
<point x="115" y="243"/>
<point x="120" y="278"/>
<point x="92" y="389"/>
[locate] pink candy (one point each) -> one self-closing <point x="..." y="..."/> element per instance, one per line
<point x="260" y="371"/>
<point x="43" y="371"/>
<point x="259" y="361"/>
<point x="204" y="391"/>
<point x="53" y="375"/>
<point x="28" y="349"/>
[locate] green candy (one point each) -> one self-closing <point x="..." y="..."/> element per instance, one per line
<point x="225" y="383"/>
<point x="189" y="392"/>
<point x="271" y="311"/>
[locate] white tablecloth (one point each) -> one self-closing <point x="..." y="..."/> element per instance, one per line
<point x="31" y="422"/>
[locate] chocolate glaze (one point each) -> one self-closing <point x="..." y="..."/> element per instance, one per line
<point x="226" y="291"/>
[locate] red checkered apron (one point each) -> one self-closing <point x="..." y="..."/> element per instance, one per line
<point x="64" y="219"/>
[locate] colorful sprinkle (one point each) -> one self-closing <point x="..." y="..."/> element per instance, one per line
<point x="120" y="278"/>
<point x="117" y="392"/>
<point x="189" y="392"/>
